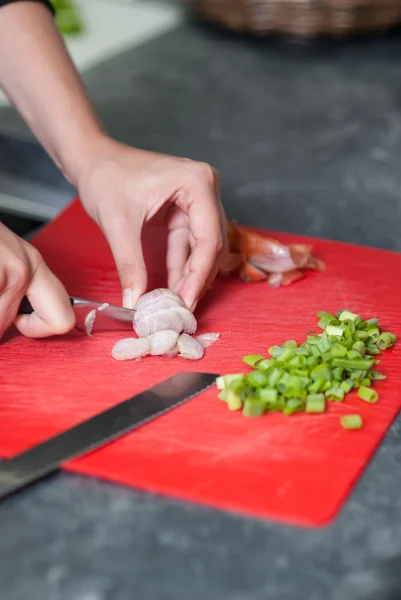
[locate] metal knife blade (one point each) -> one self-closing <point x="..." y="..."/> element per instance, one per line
<point x="92" y="316"/>
<point x="47" y="457"/>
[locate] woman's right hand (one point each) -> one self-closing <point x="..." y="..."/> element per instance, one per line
<point x="23" y="272"/>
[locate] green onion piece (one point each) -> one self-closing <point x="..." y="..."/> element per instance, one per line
<point x="256" y="379"/>
<point x="374" y="332"/>
<point x="361" y="335"/>
<point x="315" y="351"/>
<point x="253" y="408"/>
<point x="352" y="354"/>
<point x="385" y="341"/>
<point x="317" y="386"/>
<point x="290" y="344"/>
<point x="335" y="393"/>
<point x="268" y="396"/>
<point x="359" y="347"/>
<point x="274" y="376"/>
<point x="338" y="373"/>
<point x="347" y="315"/>
<point x="322" y="372"/>
<point x="366" y="382"/>
<point x="393" y="337"/>
<point x="234" y="401"/>
<point x="372" y="350"/>
<point x="276" y="351"/>
<point x="358" y="375"/>
<point x="311" y="362"/>
<point x="315" y="403"/>
<point x="347" y="385"/>
<point x="292" y="406"/>
<point x="227" y="380"/>
<point x="252" y="359"/>
<point x="222" y="395"/>
<point x="371" y="323"/>
<point x="338" y="351"/>
<point x="313" y="340"/>
<point x="368" y="394"/>
<point x="359" y="364"/>
<point x="287" y="355"/>
<point x="325" y="344"/>
<point x="376" y="376"/>
<point x="296" y="362"/>
<point x="352" y="421"/>
<point x="334" y="330"/>
<point x="326" y="386"/>
<point x="265" y="365"/>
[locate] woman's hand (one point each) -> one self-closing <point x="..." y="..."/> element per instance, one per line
<point x="122" y="188"/>
<point x="24" y="273"/>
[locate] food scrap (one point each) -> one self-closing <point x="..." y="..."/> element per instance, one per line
<point x="164" y="327"/>
<point x="259" y="258"/>
<point x="303" y="378"/>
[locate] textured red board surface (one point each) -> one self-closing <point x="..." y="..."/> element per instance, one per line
<point x="296" y="469"/>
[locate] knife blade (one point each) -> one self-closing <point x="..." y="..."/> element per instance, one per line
<point x="105" y="427"/>
<point x="92" y="316"/>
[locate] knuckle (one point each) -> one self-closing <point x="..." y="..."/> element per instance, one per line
<point x="205" y="172"/>
<point x="18" y="275"/>
<point x="65" y="324"/>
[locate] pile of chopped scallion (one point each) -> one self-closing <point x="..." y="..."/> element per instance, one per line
<point x="302" y="378"/>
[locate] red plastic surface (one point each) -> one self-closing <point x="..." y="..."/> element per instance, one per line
<point x="297" y="469"/>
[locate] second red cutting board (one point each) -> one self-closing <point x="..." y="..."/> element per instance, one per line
<point x="297" y="469"/>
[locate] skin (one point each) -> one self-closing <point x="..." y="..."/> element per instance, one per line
<point x="120" y="187"/>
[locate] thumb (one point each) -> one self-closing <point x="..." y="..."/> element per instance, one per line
<point x="125" y="242"/>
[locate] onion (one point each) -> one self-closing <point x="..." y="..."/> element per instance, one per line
<point x="207" y="339"/>
<point x="190" y="348"/>
<point x="131" y="348"/>
<point x="163" y="342"/>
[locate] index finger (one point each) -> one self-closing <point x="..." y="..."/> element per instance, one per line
<point x="207" y="228"/>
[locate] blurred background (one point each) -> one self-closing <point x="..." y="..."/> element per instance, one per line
<point x="296" y="102"/>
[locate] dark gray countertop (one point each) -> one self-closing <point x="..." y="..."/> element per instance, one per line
<point x="307" y="139"/>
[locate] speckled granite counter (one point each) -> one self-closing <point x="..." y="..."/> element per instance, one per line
<point x="307" y="140"/>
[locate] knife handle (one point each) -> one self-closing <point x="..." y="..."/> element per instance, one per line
<point x="25" y="308"/>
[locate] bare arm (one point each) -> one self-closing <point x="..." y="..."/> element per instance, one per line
<point x="120" y="187"/>
<point x="40" y="79"/>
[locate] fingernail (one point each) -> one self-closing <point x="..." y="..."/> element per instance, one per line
<point x="128" y="299"/>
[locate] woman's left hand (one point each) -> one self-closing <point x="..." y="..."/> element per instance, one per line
<point x="122" y="188"/>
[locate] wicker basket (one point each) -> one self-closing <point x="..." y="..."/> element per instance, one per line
<point x="303" y="18"/>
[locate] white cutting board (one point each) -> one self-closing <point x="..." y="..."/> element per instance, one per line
<point x="113" y="26"/>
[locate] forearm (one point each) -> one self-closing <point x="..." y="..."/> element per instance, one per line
<point x="39" y="77"/>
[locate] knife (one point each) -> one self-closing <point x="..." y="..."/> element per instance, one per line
<point x="47" y="457"/>
<point x="92" y="316"/>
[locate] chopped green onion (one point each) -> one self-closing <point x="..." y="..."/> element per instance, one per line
<point x="274" y="377"/>
<point x="366" y="382"/>
<point x="352" y="421"/>
<point x="347" y="315"/>
<point x="287" y="355"/>
<point x="376" y="376"/>
<point x="265" y="364"/>
<point x="256" y="379"/>
<point x="268" y="396"/>
<point x="338" y="373"/>
<point x="290" y="344"/>
<point x="234" y="401"/>
<point x="321" y="372"/>
<point x="252" y="359"/>
<point x="359" y="347"/>
<point x="371" y="323"/>
<point x="374" y="332"/>
<point x="338" y="351"/>
<point x="359" y="364"/>
<point x="372" y="350"/>
<point x="347" y="385"/>
<point x="367" y="394"/>
<point x="352" y="354"/>
<point x="317" y="386"/>
<point x="292" y="406"/>
<point x="222" y="395"/>
<point x="335" y="393"/>
<point x="315" y="403"/>
<point x="253" y="408"/>
<point x="385" y="341"/>
<point x="275" y="351"/>
<point x="333" y="330"/>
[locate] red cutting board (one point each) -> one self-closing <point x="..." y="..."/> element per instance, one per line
<point x="297" y="469"/>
